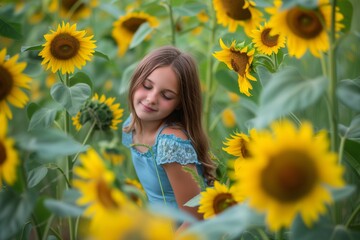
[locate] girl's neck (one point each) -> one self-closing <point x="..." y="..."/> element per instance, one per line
<point x="149" y="128"/>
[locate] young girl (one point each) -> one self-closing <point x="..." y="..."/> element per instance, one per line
<point x="164" y="130"/>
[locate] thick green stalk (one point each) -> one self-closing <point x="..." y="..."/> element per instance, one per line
<point x="333" y="82"/>
<point x="209" y="72"/>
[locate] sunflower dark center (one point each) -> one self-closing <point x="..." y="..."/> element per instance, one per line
<point x="269" y="40"/>
<point x="133" y="24"/>
<point x="289" y="176"/>
<point x="239" y="62"/>
<point x="69" y="4"/>
<point x="244" y="149"/>
<point x="304" y="23"/>
<point x="234" y="10"/>
<point x="64" y="46"/>
<point x="104" y="195"/>
<point x="6" y="83"/>
<point x="2" y="153"/>
<point x="223" y="201"/>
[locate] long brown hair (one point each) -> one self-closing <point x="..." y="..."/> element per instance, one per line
<point x="189" y="114"/>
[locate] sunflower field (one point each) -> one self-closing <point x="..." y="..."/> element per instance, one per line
<point x="281" y="105"/>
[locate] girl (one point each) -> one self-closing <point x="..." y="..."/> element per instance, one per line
<point x="164" y="130"/>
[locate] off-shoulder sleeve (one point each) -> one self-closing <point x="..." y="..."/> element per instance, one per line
<point x="126" y="137"/>
<point x="173" y="149"/>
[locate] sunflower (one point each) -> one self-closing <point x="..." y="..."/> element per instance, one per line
<point x="106" y="206"/>
<point x="12" y="81"/>
<point x="237" y="13"/>
<point x="288" y="173"/>
<point x="240" y="60"/>
<point x="9" y="159"/>
<point x="113" y="155"/>
<point x="75" y="9"/>
<point x="304" y="28"/>
<point x="100" y="111"/>
<point x="266" y="42"/>
<point x="237" y="145"/>
<point x="126" y="26"/>
<point x="215" y="200"/>
<point x="228" y="118"/>
<point x="66" y="49"/>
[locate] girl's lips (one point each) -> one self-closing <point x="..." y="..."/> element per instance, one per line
<point x="148" y="109"/>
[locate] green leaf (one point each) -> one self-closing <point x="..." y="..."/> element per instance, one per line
<point x="81" y="77"/>
<point x="139" y="36"/>
<point x="102" y="55"/>
<point x="195" y="201"/>
<point x="230" y="223"/>
<point x="353" y="131"/>
<point x="36" y="175"/>
<point x="15" y="211"/>
<point x="31" y="108"/>
<point x="348" y="92"/>
<point x="351" y="155"/>
<point x="341" y="193"/>
<point x="10" y="30"/>
<point x="66" y="207"/>
<point x="42" y="118"/>
<point x="32" y="48"/>
<point x="49" y="144"/>
<point x="71" y="98"/>
<point x="287" y="91"/>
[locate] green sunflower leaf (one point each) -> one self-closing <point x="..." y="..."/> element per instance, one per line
<point x="10" y="30"/>
<point x="348" y="92"/>
<point x="287" y="91"/>
<point x="139" y="36"/>
<point x="71" y="98"/>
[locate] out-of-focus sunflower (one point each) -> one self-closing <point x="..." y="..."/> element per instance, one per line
<point x="113" y="155"/>
<point x="100" y="111"/>
<point x="73" y="9"/>
<point x="106" y="206"/>
<point x="215" y="200"/>
<point x="12" y="80"/>
<point x="228" y="118"/>
<point x="304" y="28"/>
<point x="237" y="144"/>
<point x="126" y="26"/>
<point x="9" y="159"/>
<point x="66" y="49"/>
<point x="233" y="97"/>
<point x="237" y="13"/>
<point x="240" y="60"/>
<point x="288" y="172"/>
<point x="266" y="42"/>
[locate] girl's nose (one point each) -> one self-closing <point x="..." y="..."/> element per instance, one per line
<point x="151" y="98"/>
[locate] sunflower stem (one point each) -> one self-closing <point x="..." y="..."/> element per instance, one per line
<point x="172" y="23"/>
<point x="91" y="130"/>
<point x="209" y="72"/>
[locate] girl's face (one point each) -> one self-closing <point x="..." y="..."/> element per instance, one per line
<point x="158" y="96"/>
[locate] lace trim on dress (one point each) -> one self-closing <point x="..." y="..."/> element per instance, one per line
<point x="174" y="149"/>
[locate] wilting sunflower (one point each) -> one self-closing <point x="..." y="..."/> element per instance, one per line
<point x="66" y="49"/>
<point x="9" y="159"/>
<point x="215" y="200"/>
<point x="266" y="42"/>
<point x="100" y="111"/>
<point x="12" y="80"/>
<point x="304" y="28"/>
<point x="228" y="118"/>
<point x="126" y="26"/>
<point x="237" y="145"/>
<point x="238" y="59"/>
<point x="288" y="173"/>
<point x="237" y="13"/>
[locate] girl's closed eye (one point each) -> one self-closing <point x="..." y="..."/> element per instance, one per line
<point x="147" y="85"/>
<point x="168" y="96"/>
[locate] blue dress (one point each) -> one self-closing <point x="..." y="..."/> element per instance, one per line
<point x="167" y="149"/>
